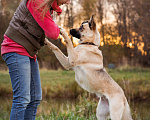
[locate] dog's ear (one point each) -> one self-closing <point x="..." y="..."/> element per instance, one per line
<point x="92" y="23"/>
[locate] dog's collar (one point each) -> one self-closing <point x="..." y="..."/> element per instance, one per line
<point x="88" y="43"/>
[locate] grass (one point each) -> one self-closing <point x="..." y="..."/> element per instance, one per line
<point x="56" y="84"/>
<point x="134" y="81"/>
<point x="81" y="109"/>
<point x="63" y="99"/>
<point x="59" y="84"/>
<point x="5" y="84"/>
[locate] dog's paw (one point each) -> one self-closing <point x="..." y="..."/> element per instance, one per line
<point x="64" y="34"/>
<point x="46" y="41"/>
<point x="60" y="27"/>
<point x="50" y="45"/>
<point x="62" y="31"/>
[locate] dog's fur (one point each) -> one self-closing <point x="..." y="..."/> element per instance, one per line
<point x="87" y="62"/>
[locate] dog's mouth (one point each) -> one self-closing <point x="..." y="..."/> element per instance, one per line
<point x="80" y="41"/>
<point x="75" y="33"/>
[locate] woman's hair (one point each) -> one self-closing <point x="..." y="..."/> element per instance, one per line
<point x="44" y="7"/>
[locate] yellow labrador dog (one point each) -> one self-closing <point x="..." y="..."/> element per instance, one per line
<point x="87" y="62"/>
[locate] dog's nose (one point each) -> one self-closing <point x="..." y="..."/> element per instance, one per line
<point x="72" y="31"/>
<point x="75" y="33"/>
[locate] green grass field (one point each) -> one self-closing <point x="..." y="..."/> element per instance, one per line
<point x="63" y="99"/>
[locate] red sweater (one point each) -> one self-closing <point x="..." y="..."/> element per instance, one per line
<point x="47" y="24"/>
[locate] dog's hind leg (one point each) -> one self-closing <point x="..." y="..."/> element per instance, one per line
<point x="116" y="107"/>
<point x="102" y="111"/>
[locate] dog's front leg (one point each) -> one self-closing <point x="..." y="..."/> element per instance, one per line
<point x="70" y="49"/>
<point x="59" y="55"/>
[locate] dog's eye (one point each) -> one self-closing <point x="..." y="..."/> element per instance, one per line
<point x="81" y="28"/>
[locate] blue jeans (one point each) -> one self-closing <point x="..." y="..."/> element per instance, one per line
<point x="25" y="79"/>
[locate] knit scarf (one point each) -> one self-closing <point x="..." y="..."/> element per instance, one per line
<point x="56" y="8"/>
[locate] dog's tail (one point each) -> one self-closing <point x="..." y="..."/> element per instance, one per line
<point x="126" y="114"/>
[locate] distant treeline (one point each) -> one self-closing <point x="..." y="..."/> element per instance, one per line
<point x="125" y="37"/>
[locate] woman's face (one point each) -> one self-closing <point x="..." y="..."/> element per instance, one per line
<point x="61" y="2"/>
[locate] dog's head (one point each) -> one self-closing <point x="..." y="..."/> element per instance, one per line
<point x="87" y="32"/>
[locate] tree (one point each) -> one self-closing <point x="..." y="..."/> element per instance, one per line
<point x="100" y="11"/>
<point x="88" y="8"/>
<point x="142" y="26"/>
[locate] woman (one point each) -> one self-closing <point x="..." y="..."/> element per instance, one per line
<point x="23" y="38"/>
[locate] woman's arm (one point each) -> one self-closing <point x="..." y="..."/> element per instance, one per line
<point x="47" y="24"/>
